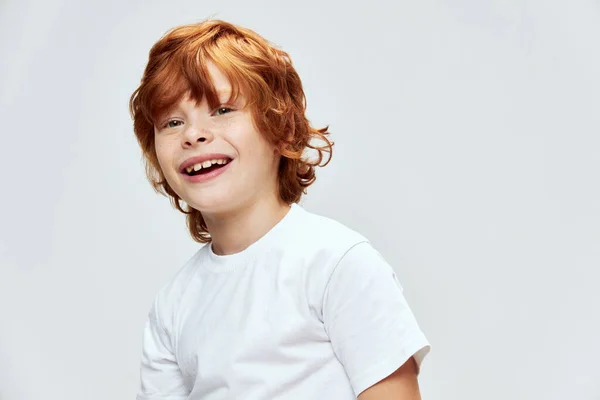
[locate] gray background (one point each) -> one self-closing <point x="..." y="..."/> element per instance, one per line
<point x="467" y="150"/>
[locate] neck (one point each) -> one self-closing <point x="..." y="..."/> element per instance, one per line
<point x="238" y="229"/>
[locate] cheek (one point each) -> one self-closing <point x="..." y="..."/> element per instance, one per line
<point x="163" y="155"/>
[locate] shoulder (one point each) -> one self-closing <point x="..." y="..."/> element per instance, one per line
<point x="320" y="243"/>
<point x="169" y="295"/>
<point x="319" y="232"/>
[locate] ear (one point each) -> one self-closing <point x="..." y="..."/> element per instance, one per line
<point x="277" y="147"/>
<point x="281" y="143"/>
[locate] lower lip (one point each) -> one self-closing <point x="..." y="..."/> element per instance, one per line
<point x="206" y="177"/>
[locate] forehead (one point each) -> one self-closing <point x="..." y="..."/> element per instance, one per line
<point x="223" y="94"/>
<point x="218" y="78"/>
<point x="208" y="85"/>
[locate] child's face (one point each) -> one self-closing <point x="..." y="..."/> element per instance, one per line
<point x="188" y="131"/>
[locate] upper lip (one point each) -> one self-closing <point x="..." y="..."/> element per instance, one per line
<point x="200" y="159"/>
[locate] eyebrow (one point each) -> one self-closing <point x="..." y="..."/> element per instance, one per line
<point x="226" y="94"/>
<point x="220" y="92"/>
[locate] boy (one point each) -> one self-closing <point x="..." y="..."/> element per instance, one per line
<point x="280" y="303"/>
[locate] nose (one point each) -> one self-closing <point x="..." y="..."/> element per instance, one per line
<point x="194" y="135"/>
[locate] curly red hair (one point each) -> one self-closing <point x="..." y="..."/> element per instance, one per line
<point x="177" y="66"/>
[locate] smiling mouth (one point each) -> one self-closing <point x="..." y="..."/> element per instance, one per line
<point x="206" y="167"/>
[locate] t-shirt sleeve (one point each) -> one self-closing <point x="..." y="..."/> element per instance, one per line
<point x="160" y="376"/>
<point x="370" y="325"/>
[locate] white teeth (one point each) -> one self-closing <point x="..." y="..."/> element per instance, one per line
<point x="205" y="164"/>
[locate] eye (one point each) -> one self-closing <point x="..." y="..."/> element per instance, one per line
<point x="223" y="108"/>
<point x="169" y="124"/>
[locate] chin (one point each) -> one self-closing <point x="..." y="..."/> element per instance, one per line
<point x="211" y="204"/>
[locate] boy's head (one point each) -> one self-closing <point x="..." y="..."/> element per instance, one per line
<point x="223" y="93"/>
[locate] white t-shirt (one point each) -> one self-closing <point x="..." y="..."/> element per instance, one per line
<point x="309" y="311"/>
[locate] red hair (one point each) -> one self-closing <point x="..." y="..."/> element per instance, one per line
<point x="177" y="66"/>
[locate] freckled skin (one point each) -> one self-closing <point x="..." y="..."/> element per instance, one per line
<point x="252" y="174"/>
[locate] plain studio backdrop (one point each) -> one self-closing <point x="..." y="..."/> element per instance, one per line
<point x="467" y="150"/>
